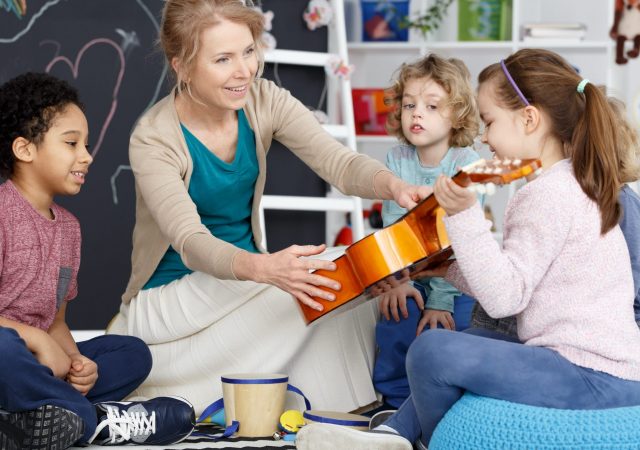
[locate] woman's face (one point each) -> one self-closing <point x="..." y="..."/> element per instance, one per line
<point x="225" y="66"/>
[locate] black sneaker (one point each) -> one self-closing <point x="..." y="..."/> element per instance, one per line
<point x="159" y="421"/>
<point x="47" y="427"/>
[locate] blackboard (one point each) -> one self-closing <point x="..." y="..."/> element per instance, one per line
<point x="107" y="49"/>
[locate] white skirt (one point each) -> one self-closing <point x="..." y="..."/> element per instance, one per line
<point x="199" y="328"/>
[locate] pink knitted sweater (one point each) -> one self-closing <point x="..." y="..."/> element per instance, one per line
<point x="569" y="286"/>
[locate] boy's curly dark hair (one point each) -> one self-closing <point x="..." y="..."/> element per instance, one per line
<point x="28" y="105"/>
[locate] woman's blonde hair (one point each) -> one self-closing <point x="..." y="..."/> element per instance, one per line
<point x="454" y="77"/>
<point x="183" y="21"/>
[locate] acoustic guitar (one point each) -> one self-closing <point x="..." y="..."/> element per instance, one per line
<point x="417" y="241"/>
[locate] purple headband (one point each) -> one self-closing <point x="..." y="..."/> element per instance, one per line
<point x="513" y="83"/>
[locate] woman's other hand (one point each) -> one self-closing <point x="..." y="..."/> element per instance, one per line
<point x="390" y="187"/>
<point x="290" y="272"/>
<point x="408" y="195"/>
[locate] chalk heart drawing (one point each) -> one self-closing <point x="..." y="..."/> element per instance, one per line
<point x="74" y="67"/>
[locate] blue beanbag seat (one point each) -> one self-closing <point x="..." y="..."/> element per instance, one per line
<point x="476" y="422"/>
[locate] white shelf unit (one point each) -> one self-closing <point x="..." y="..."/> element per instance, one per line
<point x="376" y="61"/>
<point x="340" y="112"/>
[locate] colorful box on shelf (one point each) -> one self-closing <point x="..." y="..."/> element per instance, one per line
<point x="369" y="111"/>
<point x="382" y="20"/>
<point x="484" y="20"/>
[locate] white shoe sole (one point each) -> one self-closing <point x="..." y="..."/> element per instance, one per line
<point x="317" y="436"/>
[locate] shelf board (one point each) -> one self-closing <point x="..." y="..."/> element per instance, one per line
<point x="337" y="131"/>
<point x="301" y="203"/>
<point x="414" y="45"/>
<point x="561" y="43"/>
<point x="479" y="45"/>
<point x="295" y="57"/>
<point x="384" y="45"/>
<point x="382" y="139"/>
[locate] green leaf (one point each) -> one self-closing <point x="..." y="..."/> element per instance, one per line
<point x="431" y="19"/>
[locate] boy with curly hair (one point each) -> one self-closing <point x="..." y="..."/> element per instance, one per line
<point x="54" y="391"/>
<point x="435" y="118"/>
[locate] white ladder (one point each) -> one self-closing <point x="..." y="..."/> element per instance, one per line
<point x="345" y="132"/>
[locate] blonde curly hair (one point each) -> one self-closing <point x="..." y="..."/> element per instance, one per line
<point x="628" y="143"/>
<point x="454" y="77"/>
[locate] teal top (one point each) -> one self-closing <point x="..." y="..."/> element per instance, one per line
<point x="403" y="160"/>
<point x="213" y="184"/>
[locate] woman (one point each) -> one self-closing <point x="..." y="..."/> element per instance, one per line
<point x="202" y="293"/>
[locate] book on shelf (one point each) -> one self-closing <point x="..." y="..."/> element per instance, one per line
<point x="573" y="31"/>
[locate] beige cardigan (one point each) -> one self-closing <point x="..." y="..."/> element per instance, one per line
<point x="162" y="167"/>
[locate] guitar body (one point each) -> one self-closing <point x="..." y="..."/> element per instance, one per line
<point x="417" y="241"/>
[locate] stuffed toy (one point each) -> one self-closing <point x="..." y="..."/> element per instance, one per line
<point x="626" y="25"/>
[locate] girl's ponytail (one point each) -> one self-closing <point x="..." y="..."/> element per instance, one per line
<point x="581" y="117"/>
<point x="594" y="155"/>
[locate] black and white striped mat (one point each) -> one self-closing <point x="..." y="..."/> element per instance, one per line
<point x="231" y="443"/>
<point x="202" y="443"/>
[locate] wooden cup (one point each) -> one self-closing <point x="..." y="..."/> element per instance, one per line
<point x="255" y="400"/>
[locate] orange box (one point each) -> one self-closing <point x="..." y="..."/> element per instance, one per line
<point x="369" y="111"/>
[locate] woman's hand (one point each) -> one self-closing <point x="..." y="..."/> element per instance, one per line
<point x="390" y="187"/>
<point x="291" y="273"/>
<point x="452" y="197"/>
<point x="394" y="301"/>
<point x="408" y="195"/>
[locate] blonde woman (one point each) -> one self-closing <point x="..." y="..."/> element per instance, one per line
<point x="202" y="294"/>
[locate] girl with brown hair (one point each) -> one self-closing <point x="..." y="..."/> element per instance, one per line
<point x="563" y="267"/>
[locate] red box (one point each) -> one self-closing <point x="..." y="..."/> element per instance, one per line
<point x="369" y="111"/>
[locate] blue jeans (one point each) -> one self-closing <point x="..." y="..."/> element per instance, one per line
<point x="393" y="340"/>
<point x="25" y="384"/>
<point x="493" y="365"/>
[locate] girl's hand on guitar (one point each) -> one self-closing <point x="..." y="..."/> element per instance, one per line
<point x="432" y="317"/>
<point x="452" y="197"/>
<point x="408" y="195"/>
<point x="394" y="301"/>
<point x="286" y="270"/>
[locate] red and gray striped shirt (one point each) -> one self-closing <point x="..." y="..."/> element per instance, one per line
<point x="39" y="259"/>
